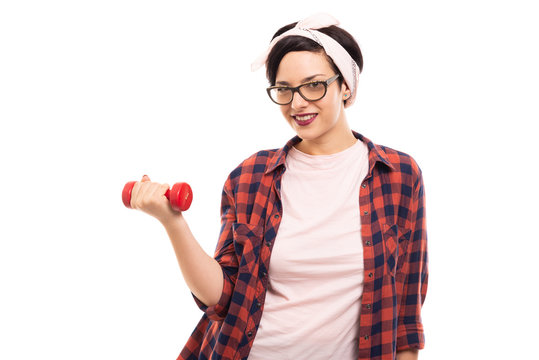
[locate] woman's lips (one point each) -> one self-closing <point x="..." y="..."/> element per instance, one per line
<point x="304" y="119"/>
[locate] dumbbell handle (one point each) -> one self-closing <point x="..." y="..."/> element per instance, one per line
<point x="180" y="196"/>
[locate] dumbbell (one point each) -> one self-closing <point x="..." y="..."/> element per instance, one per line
<point x="180" y="196"/>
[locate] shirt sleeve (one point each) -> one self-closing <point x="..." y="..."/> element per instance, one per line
<point x="410" y="329"/>
<point x="225" y="256"/>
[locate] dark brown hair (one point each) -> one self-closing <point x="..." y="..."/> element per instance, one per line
<point x="300" y="43"/>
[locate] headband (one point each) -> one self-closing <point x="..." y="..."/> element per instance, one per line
<point x="342" y="59"/>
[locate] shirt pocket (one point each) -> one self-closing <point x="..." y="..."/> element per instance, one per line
<point x="396" y="240"/>
<point x="247" y="240"/>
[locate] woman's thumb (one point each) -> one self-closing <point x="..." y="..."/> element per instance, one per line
<point x="145" y="178"/>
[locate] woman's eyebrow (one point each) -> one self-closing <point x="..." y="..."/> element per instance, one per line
<point x="307" y="79"/>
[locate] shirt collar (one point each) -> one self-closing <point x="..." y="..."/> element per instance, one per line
<point x="376" y="154"/>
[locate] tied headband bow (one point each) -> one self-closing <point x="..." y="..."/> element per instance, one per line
<point x="342" y="59"/>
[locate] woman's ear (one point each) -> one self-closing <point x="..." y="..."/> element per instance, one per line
<point x="346" y="92"/>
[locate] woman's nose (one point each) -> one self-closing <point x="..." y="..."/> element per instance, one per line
<point x="298" y="101"/>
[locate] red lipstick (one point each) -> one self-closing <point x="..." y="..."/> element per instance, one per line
<point x="304" y="119"/>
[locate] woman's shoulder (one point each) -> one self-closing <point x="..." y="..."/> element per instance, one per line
<point x="397" y="156"/>
<point x="395" y="159"/>
<point x="401" y="162"/>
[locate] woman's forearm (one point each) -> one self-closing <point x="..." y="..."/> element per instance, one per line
<point x="407" y="355"/>
<point x="202" y="273"/>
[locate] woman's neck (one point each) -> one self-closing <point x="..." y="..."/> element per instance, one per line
<point x="336" y="140"/>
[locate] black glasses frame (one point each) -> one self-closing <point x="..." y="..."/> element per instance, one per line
<point x="297" y="89"/>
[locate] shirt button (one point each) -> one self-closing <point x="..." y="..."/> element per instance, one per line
<point x="368" y="306"/>
<point x="371" y="274"/>
<point x="368" y="243"/>
<point x="366" y="337"/>
<point x="276" y="216"/>
<point x="264" y="274"/>
<point x="364" y="185"/>
<point x="268" y="243"/>
<point x="250" y="333"/>
<point x="365" y="212"/>
<point x="258" y="304"/>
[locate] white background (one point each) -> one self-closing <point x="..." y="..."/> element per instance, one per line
<point x="97" y="93"/>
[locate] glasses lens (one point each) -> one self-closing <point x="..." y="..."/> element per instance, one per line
<point x="313" y="91"/>
<point x="281" y="95"/>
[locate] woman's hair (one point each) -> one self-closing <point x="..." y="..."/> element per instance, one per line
<point x="300" y="43"/>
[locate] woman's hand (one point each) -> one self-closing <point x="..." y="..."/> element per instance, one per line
<point x="150" y="198"/>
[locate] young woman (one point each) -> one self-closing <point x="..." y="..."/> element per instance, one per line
<point x="323" y="247"/>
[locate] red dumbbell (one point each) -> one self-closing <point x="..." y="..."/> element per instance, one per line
<point x="180" y="196"/>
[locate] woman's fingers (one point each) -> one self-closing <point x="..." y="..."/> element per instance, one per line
<point x="137" y="193"/>
<point x="157" y="191"/>
<point x="150" y="197"/>
<point x="144" y="194"/>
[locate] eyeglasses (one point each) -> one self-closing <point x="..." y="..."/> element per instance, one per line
<point x="311" y="91"/>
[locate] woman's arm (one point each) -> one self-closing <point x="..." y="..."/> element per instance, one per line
<point x="202" y="273"/>
<point x="407" y="355"/>
<point x="211" y="280"/>
<point x="415" y="273"/>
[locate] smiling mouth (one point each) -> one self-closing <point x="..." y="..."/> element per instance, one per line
<point x="304" y="119"/>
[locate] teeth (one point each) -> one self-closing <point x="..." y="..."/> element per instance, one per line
<point x="303" y="118"/>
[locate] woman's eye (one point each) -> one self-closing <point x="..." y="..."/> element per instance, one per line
<point x="281" y="90"/>
<point x="315" y="85"/>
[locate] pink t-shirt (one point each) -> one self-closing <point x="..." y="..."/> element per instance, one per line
<point x="313" y="300"/>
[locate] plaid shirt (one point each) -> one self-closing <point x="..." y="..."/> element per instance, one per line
<point x="393" y="232"/>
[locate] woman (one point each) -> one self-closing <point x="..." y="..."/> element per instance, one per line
<point x="322" y="252"/>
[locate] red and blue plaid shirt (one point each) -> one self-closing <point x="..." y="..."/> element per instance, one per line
<point x="393" y="232"/>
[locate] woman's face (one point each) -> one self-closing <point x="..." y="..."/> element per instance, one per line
<point x="314" y="121"/>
